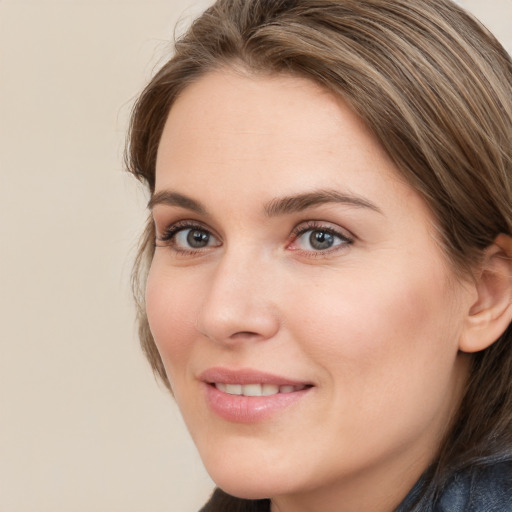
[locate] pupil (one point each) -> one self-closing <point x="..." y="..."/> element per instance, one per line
<point x="197" y="239"/>
<point x="321" y="240"/>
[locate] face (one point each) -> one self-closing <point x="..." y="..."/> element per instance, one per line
<point x="307" y="319"/>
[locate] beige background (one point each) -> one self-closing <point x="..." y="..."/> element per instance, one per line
<point x="83" y="426"/>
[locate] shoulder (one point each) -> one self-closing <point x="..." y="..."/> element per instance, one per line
<point x="485" y="489"/>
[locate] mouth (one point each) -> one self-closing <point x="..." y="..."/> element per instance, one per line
<point x="250" y="396"/>
<point x="257" y="389"/>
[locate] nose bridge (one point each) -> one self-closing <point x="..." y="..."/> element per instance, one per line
<point x="239" y="301"/>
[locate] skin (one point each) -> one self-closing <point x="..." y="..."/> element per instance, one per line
<point x="374" y="323"/>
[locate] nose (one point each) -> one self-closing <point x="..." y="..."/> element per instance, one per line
<point x="239" y="303"/>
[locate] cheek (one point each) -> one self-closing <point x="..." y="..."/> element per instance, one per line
<point x="380" y="331"/>
<point x="388" y="354"/>
<point x="170" y="308"/>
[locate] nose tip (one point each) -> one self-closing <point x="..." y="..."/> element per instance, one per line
<point x="226" y="318"/>
<point x="238" y="306"/>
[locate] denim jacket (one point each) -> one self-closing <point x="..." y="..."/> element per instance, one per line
<point x="485" y="489"/>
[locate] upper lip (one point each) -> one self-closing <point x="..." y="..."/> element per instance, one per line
<point x="246" y="376"/>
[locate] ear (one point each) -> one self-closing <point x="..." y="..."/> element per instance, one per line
<point x="491" y="312"/>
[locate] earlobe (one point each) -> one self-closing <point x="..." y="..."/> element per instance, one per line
<point x="491" y="313"/>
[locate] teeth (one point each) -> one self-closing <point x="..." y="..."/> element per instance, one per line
<point x="269" y="389"/>
<point x="234" y="389"/>
<point x="221" y="387"/>
<point x="252" y="390"/>
<point x="255" y="389"/>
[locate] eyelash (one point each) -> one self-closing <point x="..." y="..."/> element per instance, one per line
<point x="168" y="237"/>
<point x="304" y="227"/>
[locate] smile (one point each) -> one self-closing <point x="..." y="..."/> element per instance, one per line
<point x="256" y="389"/>
<point x="246" y="395"/>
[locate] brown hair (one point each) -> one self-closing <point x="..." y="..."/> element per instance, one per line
<point x="433" y="85"/>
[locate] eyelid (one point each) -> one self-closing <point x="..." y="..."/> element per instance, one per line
<point x="167" y="236"/>
<point x="309" y="225"/>
<point x="170" y="228"/>
<point x="315" y="225"/>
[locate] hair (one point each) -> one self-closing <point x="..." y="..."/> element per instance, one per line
<point x="435" y="88"/>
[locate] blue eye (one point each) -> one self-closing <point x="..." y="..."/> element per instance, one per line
<point x="193" y="238"/>
<point x="188" y="238"/>
<point x="321" y="240"/>
<point x="318" y="239"/>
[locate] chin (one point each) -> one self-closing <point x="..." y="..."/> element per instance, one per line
<point x="249" y="479"/>
<point x="251" y="490"/>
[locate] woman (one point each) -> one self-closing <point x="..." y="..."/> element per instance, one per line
<point x="327" y="268"/>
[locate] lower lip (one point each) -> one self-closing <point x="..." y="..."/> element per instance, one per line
<point x="249" y="409"/>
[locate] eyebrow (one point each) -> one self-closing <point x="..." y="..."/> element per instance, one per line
<point x="169" y="198"/>
<point x="279" y="206"/>
<point x="300" y="202"/>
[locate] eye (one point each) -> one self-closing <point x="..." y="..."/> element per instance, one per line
<point x="187" y="238"/>
<point x="318" y="240"/>
<point x="313" y="238"/>
<point x="194" y="238"/>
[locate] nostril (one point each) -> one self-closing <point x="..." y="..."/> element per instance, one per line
<point x="245" y="335"/>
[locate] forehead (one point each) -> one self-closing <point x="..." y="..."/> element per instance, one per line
<point x="229" y="122"/>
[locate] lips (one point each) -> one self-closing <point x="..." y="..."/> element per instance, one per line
<point x="249" y="396"/>
<point x="246" y="376"/>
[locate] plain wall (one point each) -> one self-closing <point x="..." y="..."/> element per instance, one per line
<point x="83" y="425"/>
